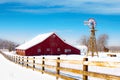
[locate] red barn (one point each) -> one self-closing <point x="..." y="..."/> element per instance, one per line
<point x="46" y="44"/>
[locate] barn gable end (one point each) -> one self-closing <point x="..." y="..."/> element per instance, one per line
<point x="46" y="44"/>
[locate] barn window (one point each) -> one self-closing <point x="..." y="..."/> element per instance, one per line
<point x="48" y="49"/>
<point x="39" y="50"/>
<point x="58" y="49"/>
<point x="67" y="50"/>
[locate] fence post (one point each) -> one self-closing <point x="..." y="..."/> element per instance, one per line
<point x="16" y="59"/>
<point x="22" y="61"/>
<point x="12" y="58"/>
<point x="33" y="63"/>
<point x="57" y="67"/>
<point x="19" y="60"/>
<point x="43" y="64"/>
<point x="27" y="62"/>
<point x="85" y="68"/>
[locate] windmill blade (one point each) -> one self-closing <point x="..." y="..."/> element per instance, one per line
<point x="86" y="23"/>
<point x="92" y="22"/>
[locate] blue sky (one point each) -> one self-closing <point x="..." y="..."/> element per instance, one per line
<point x="21" y="20"/>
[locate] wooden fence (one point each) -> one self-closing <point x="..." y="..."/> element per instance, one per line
<point x="32" y="63"/>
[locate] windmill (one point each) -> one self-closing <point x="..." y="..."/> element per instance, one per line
<point x="92" y="47"/>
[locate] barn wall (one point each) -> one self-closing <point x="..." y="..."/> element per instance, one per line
<point x="20" y="52"/>
<point x="51" y="46"/>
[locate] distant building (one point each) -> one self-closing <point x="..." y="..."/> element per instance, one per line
<point x="82" y="48"/>
<point x="46" y="44"/>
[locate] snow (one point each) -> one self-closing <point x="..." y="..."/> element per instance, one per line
<point x="82" y="48"/>
<point x="35" y="41"/>
<point x="16" y="72"/>
<point x="12" y="71"/>
<point x="40" y="38"/>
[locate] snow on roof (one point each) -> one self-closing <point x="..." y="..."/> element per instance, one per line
<point x="81" y="46"/>
<point x="34" y="41"/>
<point x="37" y="40"/>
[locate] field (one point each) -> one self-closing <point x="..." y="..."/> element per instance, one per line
<point x="102" y="57"/>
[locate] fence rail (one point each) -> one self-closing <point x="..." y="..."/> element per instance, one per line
<point x="32" y="63"/>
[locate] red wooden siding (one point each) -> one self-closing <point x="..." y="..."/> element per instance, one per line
<point x="53" y="45"/>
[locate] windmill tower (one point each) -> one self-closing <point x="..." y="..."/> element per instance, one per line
<point x="92" y="47"/>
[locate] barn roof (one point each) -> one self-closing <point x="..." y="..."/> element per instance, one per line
<point x="38" y="40"/>
<point x="34" y="41"/>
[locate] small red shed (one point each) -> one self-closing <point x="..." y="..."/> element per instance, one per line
<point x="46" y="44"/>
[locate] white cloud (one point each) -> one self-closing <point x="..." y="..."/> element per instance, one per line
<point x="89" y="6"/>
<point x="48" y="10"/>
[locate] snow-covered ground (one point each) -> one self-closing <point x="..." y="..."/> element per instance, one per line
<point x="15" y="72"/>
<point x="12" y="71"/>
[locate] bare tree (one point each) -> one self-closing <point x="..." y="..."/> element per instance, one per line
<point x="102" y="42"/>
<point x="5" y="44"/>
<point x="114" y="49"/>
<point x="84" y="40"/>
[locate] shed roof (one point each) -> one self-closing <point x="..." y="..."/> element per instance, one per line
<point x="81" y="46"/>
<point x="34" y="41"/>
